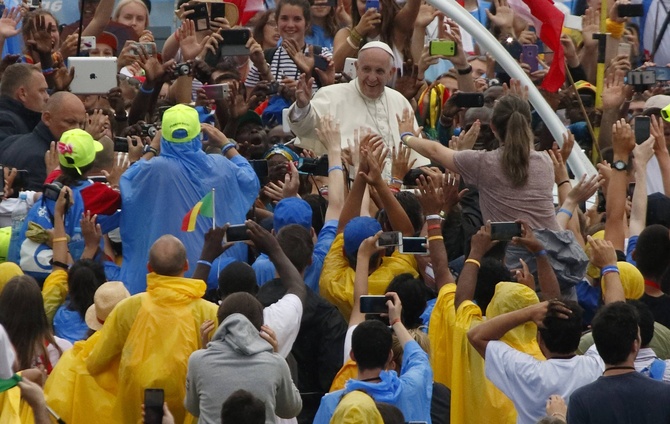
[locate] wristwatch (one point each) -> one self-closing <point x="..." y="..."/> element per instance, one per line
<point x="620" y="165"/>
<point x="149" y="149"/>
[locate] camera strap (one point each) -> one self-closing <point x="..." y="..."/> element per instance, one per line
<point x="661" y="33"/>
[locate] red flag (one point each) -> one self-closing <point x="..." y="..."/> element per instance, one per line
<point x="548" y="22"/>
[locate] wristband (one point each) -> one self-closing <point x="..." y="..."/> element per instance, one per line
<point x="607" y="269"/>
<point x="434" y="227"/>
<point x="60" y="264"/>
<point x="149" y="149"/>
<point x="395" y="321"/>
<point x="395" y="180"/>
<point x="145" y="91"/>
<point x="473" y="261"/>
<point x="431" y="238"/>
<point x="227" y="147"/>
<point x="542" y="252"/>
<point x="351" y="43"/>
<point x="394" y="189"/>
<point x="464" y="71"/>
<point x="335" y="168"/>
<point x="435" y="216"/>
<point x="48" y="71"/>
<point x="565" y="211"/>
<point x="57" y="239"/>
<point x="204" y="262"/>
<point x="405" y="134"/>
<point x="562" y="182"/>
<point x="355" y="35"/>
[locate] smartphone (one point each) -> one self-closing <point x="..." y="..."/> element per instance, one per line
<point x="374" y="304"/>
<point x="414" y="246"/>
<point x="662" y="72"/>
<point x="372" y="4"/>
<point x="442" y="48"/>
<point x="631" y="190"/>
<point x="602" y="202"/>
<point x="350" y="67"/>
<point x="236" y="233"/>
<point x="641" y="78"/>
<point x="469" y="99"/>
<point x="624" y="49"/>
<point x="529" y="56"/>
<point x="505" y="231"/>
<point x="217" y="91"/>
<point x="34" y="4"/>
<point x="87" y="42"/>
<point x="200" y="16"/>
<point x="642" y="125"/>
<point x="630" y="10"/>
<point x="153" y="406"/>
<point x="217" y="10"/>
<point x="260" y="167"/>
<point x="149" y="48"/>
<point x="121" y="144"/>
<point x="235" y="44"/>
<point x="391" y="238"/>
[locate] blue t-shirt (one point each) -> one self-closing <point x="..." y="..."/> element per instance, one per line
<point x="69" y="325"/>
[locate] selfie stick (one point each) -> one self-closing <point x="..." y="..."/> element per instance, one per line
<point x="579" y="163"/>
<point x="81" y="26"/>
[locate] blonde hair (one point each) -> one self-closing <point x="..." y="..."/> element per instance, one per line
<point x="419" y="336"/>
<point x="124" y="3"/>
<point x="511" y="119"/>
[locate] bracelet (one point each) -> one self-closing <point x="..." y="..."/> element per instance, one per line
<point x="431" y="238"/>
<point x="395" y="180"/>
<point x="405" y="134"/>
<point x="609" y="268"/>
<point x="204" y="262"/>
<point x="145" y="91"/>
<point x="394" y="189"/>
<point x="227" y="147"/>
<point x="435" y="216"/>
<point x="335" y="168"/>
<point x="434" y="227"/>
<point x="464" y="71"/>
<point x="542" y="252"/>
<point x="57" y="239"/>
<point x="48" y="71"/>
<point x="355" y="35"/>
<point x="565" y="211"/>
<point x="395" y="321"/>
<point x="351" y="43"/>
<point x="473" y="261"/>
<point x="60" y="264"/>
<point x="562" y="182"/>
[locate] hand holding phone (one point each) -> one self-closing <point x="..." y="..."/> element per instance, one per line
<point x="414" y="246"/>
<point x="153" y="406"/>
<point x="371" y="304"/>
<point x="642" y="128"/>
<point x="236" y="233"/>
<point x="505" y="231"/>
<point x="388" y="239"/>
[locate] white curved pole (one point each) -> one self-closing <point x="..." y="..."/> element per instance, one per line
<point x="579" y="163"/>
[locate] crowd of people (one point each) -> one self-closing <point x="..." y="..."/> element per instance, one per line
<point x="340" y="212"/>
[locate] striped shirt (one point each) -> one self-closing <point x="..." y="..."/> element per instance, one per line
<point x="282" y="66"/>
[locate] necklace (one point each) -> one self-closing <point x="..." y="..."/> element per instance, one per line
<point x="371" y="379"/>
<point x="618" y="368"/>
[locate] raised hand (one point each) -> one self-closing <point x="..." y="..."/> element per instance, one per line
<point x="504" y="17"/>
<point x="623" y="138"/>
<point x="40" y="36"/>
<point x="9" y="22"/>
<point x="91" y="231"/>
<point x="400" y="162"/>
<point x="304" y="62"/>
<point x="121" y="163"/>
<point x="329" y="133"/>
<point x="515" y="89"/>
<point x="602" y="252"/>
<point x="63" y="78"/>
<point x="430" y="193"/>
<point x="188" y="41"/>
<point x="658" y="132"/>
<point x="528" y="239"/>
<point x="590" y="26"/>
<point x="467" y="140"/>
<point x="303" y="93"/>
<point x="450" y="184"/>
<point x="69" y="46"/>
<point x="585" y="188"/>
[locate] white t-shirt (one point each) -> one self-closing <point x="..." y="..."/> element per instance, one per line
<point x="283" y="317"/>
<point x="529" y="382"/>
<point x="7" y="355"/>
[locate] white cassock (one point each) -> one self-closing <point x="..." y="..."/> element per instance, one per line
<point x="347" y="105"/>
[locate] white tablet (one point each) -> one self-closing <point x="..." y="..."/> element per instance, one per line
<point x="93" y="75"/>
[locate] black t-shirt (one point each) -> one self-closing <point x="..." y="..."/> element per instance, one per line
<point x="660" y="307"/>
<point x="625" y="399"/>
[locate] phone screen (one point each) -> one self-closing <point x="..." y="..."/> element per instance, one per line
<point x="642" y="129"/>
<point x="469" y="99"/>
<point x="236" y="233"/>
<point x="373" y="304"/>
<point x="153" y="406"/>
<point x="217" y="10"/>
<point x="414" y="245"/>
<point x="393" y="238"/>
<point x="505" y="231"/>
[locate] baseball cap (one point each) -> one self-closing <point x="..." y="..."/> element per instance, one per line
<point x="105" y="299"/>
<point x="585" y="86"/>
<point x="292" y="211"/>
<point x="357" y="230"/>
<point x="180" y="124"/>
<point x="249" y="117"/>
<point x="77" y="149"/>
<point x="658" y="101"/>
<point x="108" y="39"/>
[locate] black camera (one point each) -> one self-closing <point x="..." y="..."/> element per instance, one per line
<point x="52" y="191"/>
<point x="318" y="166"/>
<point x="641" y="80"/>
<point x="181" y="69"/>
<point x="148" y="130"/>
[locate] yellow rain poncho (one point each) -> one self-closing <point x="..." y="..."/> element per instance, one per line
<point x="441" y="334"/>
<point x="153" y="334"/>
<point x="14" y="410"/>
<point x="356" y="408"/>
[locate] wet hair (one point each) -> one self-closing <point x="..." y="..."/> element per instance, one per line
<point x="297" y="244"/>
<point x="646" y="321"/>
<point x="242" y="407"/>
<point x="413" y="297"/>
<point x="83" y="279"/>
<point x="511" y="119"/>
<point x="615" y="328"/>
<point x="237" y="277"/>
<point x="371" y="343"/>
<point x="303" y="4"/>
<point x="242" y="303"/>
<point x="23" y="316"/>
<point x="562" y="335"/>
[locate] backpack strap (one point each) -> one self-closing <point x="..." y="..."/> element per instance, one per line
<point x="268" y="54"/>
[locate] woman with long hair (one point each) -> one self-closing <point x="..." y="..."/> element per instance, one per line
<point x="324" y="25"/>
<point x="265" y="31"/>
<point x="391" y="23"/>
<point x="22" y="315"/>
<point x="135" y="14"/>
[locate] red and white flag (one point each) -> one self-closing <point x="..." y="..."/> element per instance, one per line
<point x="548" y="23"/>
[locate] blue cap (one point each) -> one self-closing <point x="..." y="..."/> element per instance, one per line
<point x="292" y="211"/>
<point x="357" y="230"/>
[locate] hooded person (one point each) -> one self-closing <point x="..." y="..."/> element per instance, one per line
<point x="356" y="407"/>
<point x="239" y="357"/>
<point x="158" y="192"/>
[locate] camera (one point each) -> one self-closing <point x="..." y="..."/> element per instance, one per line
<point x="181" y="69"/>
<point x="148" y="130"/>
<point x="52" y="190"/>
<point x="318" y="166"/>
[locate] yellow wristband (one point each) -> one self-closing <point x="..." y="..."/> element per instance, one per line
<point x="431" y="238"/>
<point x="473" y="261"/>
<point x="57" y="239"/>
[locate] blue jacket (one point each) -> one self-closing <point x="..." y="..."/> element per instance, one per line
<point x="158" y="193"/>
<point x="411" y="392"/>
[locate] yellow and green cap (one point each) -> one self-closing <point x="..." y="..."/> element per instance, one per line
<point x="180" y="124"/>
<point x="76" y="149"/>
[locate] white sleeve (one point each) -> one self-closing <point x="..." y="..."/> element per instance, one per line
<point x="7" y="355"/>
<point x="592" y="352"/>
<point x="347" y="342"/>
<point x="283" y="317"/>
<point x="298" y="113"/>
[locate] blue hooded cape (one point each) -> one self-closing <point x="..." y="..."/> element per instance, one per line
<point x="157" y="194"/>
